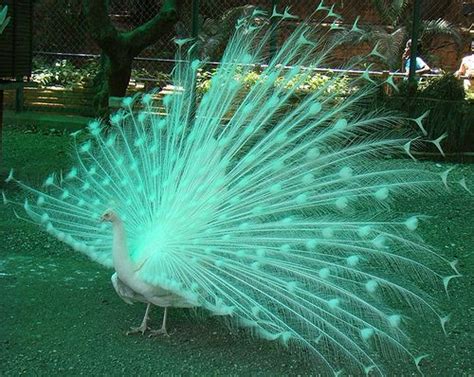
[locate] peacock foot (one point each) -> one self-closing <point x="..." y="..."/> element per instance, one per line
<point x="135" y="330"/>
<point x="159" y="332"/>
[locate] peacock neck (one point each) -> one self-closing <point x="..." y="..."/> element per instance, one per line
<point x="122" y="263"/>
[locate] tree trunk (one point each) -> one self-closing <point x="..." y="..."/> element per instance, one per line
<point x="111" y="81"/>
<point x="120" y="48"/>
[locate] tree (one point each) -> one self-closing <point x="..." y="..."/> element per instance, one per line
<point x="119" y="48"/>
<point x="397" y="14"/>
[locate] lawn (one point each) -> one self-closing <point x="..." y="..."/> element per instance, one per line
<point x="60" y="315"/>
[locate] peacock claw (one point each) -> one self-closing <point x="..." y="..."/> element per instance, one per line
<point x="136" y="330"/>
<point x="161" y="331"/>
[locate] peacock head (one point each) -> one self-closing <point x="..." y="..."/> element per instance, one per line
<point x="110" y="216"/>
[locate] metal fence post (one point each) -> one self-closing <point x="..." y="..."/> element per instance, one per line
<point x="414" y="46"/>
<point x="195" y="33"/>
<point x="195" y="18"/>
<point x="274" y="34"/>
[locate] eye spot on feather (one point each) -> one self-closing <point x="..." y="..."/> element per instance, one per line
<point x="371" y="286"/>
<point x="313" y="153"/>
<point x="342" y="203"/>
<point x="244" y="226"/>
<point x="277" y="165"/>
<point x="367" y="333"/>
<point x="394" y="320"/>
<point x="147" y="99"/>
<point x="260" y="253"/>
<point x="379" y="241"/>
<point x="345" y="172"/>
<point x="94" y="128"/>
<point x="72" y="174"/>
<point x="49" y="181"/>
<point x="127" y="101"/>
<point x="285" y="248"/>
<point x="247" y="59"/>
<point x="273" y="101"/>
<point x="364" y="231"/>
<point x="161" y="124"/>
<point x="308" y="179"/>
<point x="139" y="142"/>
<point x="311" y="244"/>
<point x="328" y="232"/>
<point x="195" y="64"/>
<point x="247" y="109"/>
<point x="352" y="260"/>
<point x="324" y="273"/>
<point x="302" y="199"/>
<point x="281" y="137"/>
<point x="381" y="194"/>
<point x="92" y="170"/>
<point x="411" y="223"/>
<point x="240" y="254"/>
<point x="249" y="130"/>
<point x="256" y="266"/>
<point x="275" y="188"/>
<point x="341" y="124"/>
<point x="167" y="100"/>
<point x="86" y="147"/>
<point x="291" y="286"/>
<point x="287" y="220"/>
<point x="116" y="118"/>
<point x="315" y="108"/>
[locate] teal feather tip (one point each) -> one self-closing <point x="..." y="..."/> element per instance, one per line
<point x="258" y="204"/>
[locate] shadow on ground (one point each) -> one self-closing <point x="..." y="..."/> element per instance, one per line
<point x="60" y="315"/>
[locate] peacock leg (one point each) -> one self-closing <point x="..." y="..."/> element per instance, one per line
<point x="161" y="331"/>
<point x="143" y="327"/>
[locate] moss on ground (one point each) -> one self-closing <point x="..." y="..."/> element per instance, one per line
<point x="60" y="315"/>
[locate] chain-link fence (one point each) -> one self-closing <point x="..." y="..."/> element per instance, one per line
<point x="61" y="30"/>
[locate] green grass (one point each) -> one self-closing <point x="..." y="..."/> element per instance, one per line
<point x="60" y="315"/>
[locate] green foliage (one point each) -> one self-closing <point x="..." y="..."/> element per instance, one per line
<point x="66" y="74"/>
<point x="446" y="87"/>
<point x="143" y="74"/>
<point x="449" y="113"/>
<point x="302" y="86"/>
<point x="397" y="14"/>
<point x="63" y="73"/>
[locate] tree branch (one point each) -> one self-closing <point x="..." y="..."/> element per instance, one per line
<point x="100" y="26"/>
<point x="151" y="31"/>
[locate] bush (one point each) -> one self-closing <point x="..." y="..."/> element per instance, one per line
<point x="64" y="73"/>
<point x="305" y="85"/>
<point x="449" y="112"/>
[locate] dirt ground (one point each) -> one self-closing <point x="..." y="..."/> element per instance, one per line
<point x="59" y="314"/>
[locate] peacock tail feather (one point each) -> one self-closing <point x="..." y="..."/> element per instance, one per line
<point x="273" y="214"/>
